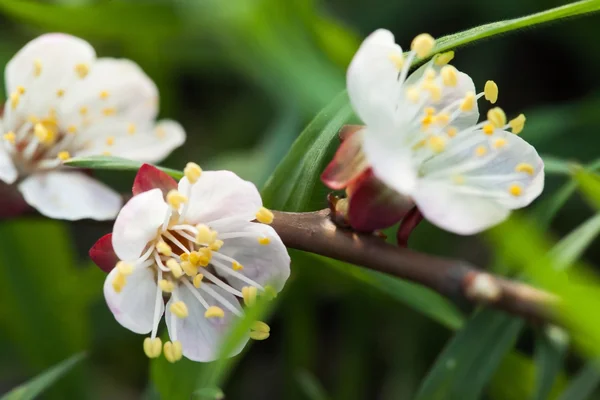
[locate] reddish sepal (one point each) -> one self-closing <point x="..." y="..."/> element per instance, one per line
<point x="348" y="162"/>
<point x="373" y="205"/>
<point x="12" y="203"/>
<point x="149" y="177"/>
<point x="103" y="255"/>
<point x="408" y="224"/>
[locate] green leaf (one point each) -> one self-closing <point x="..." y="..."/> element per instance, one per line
<point x="310" y="386"/>
<point x="549" y="358"/>
<point x="115" y="163"/>
<point x="589" y="184"/>
<point x="208" y="394"/>
<point x="583" y="385"/>
<point x="467" y="363"/>
<point x="570" y="248"/>
<point x="37" y="385"/>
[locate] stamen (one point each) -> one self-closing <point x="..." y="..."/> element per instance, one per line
<point x="264" y="240"/>
<point x="83" y="110"/>
<point x="449" y="75"/>
<point x="124" y="268"/>
<point x="397" y="59"/>
<point x="437" y="144"/>
<point x="249" y="295"/>
<point x="517" y="124"/>
<point x="237" y="266"/>
<point x="189" y="268"/>
<point x="176" y="199"/>
<point x="413" y="94"/>
<point x="119" y="282"/>
<point x="72" y="129"/>
<point x="10" y="137"/>
<point x="37" y="68"/>
<point x="60" y="93"/>
<point x="192" y="172"/>
<point x="434" y="90"/>
<point x="109" y="111"/>
<point x="175" y="241"/>
<point x="131" y="128"/>
<point x="63" y="155"/>
<point x="458" y="179"/>
<point x="452" y="131"/>
<point x="481" y="151"/>
<point x="164" y="249"/>
<point x="525" y="167"/>
<point x="468" y="102"/>
<point x="443" y="58"/>
<point x="175" y="268"/>
<point x="255" y="335"/>
<point x="259" y="330"/>
<point x="264" y="216"/>
<point x="14" y="100"/>
<point x="198" y="280"/>
<point x="422" y="45"/>
<point x="166" y="286"/>
<point x="197" y="295"/>
<point x="216" y="245"/>
<point x="497" y="117"/>
<point x="20" y="89"/>
<point x="515" y="189"/>
<point x="208" y="289"/>
<point x="82" y="70"/>
<point x="152" y="347"/>
<point x="204" y="235"/>
<point x="229" y="271"/>
<point x="488" y="129"/>
<point x="173" y="351"/>
<point x="491" y="91"/>
<point x="222" y="284"/>
<point x="157" y="311"/>
<point x="499" y="143"/>
<point x="110" y="140"/>
<point x="179" y="309"/>
<point x="214" y="312"/>
<point x="160" y="264"/>
<point x="104" y="95"/>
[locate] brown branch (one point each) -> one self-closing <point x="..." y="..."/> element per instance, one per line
<point x="316" y="233"/>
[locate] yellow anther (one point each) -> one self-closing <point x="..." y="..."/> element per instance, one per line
<point x="205" y="256"/>
<point x="15" y="98"/>
<point x="20" y="90"/>
<point x="161" y="133"/>
<point x="525" y="167"/>
<point x="517" y="124"/>
<point x="152" y="347"/>
<point x="413" y="94"/>
<point x="179" y="309"/>
<point x="497" y="117"/>
<point x="72" y="129"/>
<point x="488" y="129"/>
<point x="194" y="257"/>
<point x="435" y="91"/>
<point x="164" y="249"/>
<point x="422" y="45"/>
<point x="490" y="91"/>
<point x="44" y="135"/>
<point x="166" y="286"/>
<point x="449" y="75"/>
<point x="10" y="137"/>
<point x="60" y="93"/>
<point x="37" y="68"/>
<point x="33" y="119"/>
<point x="429" y="111"/>
<point x="82" y="70"/>
<point x="515" y="189"/>
<point x="256" y="335"/>
<point x="260" y="326"/>
<point x="249" y="295"/>
<point x="185" y="256"/>
<point x="104" y="94"/>
<point x="189" y="268"/>
<point x="481" y="151"/>
<point x="119" y="282"/>
<point x="176" y="199"/>
<point x="109" y="111"/>
<point x="436" y="143"/>
<point x="270" y="292"/>
<point x="444" y="58"/>
<point x="458" y="179"/>
<point x="64" y="155"/>
<point x="216" y="245"/>
<point x="83" y="110"/>
<point x="264" y="216"/>
<point x="106" y="153"/>
<point x="214" y="312"/>
<point x="124" y="268"/>
<point x="173" y="351"/>
<point x="442" y="118"/>
<point x="397" y="59"/>
<point x="264" y="240"/>
<point x="192" y="172"/>
<point x="452" y="131"/>
<point x="175" y="268"/>
<point x="237" y="266"/>
<point x="468" y="102"/>
<point x="204" y="235"/>
<point x="499" y="143"/>
<point x="131" y="129"/>
<point x="198" y="280"/>
<point x="110" y="140"/>
<point x="429" y="74"/>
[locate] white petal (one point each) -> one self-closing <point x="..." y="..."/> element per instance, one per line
<point x="150" y="145"/>
<point x="449" y="94"/>
<point x="54" y="56"/>
<point x="137" y="224"/>
<point x="202" y="337"/>
<point x="70" y="196"/>
<point x="220" y="194"/>
<point x="495" y="172"/>
<point x="457" y="212"/>
<point x="265" y="264"/>
<point x="372" y="79"/>
<point x="112" y="84"/>
<point x="392" y="160"/>
<point x="8" y="172"/>
<point x="134" y="306"/>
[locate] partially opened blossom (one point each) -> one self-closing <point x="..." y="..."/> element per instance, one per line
<point x="423" y="143"/>
<point x="63" y="102"/>
<point x="204" y="247"/>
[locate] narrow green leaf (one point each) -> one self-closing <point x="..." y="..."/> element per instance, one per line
<point x="589" y="184"/>
<point x="556" y="166"/>
<point x="583" y="385"/>
<point x="208" y="394"/>
<point x="310" y="386"/>
<point x="37" y="385"/>
<point x="570" y="248"/>
<point x="549" y="359"/>
<point x="115" y="163"/>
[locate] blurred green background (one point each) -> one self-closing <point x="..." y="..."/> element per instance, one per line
<point x="244" y="77"/>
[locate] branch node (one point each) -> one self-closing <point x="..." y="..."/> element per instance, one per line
<point x="481" y="287"/>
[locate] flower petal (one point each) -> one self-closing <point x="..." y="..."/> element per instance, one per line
<point x="220" y="194"/>
<point x="103" y="254"/>
<point x="201" y="337"/>
<point x="137" y="224"/>
<point x="44" y="66"/>
<point x="372" y="79"/>
<point x="374" y="206"/>
<point x="391" y="161"/>
<point x="264" y="264"/>
<point x="70" y="195"/>
<point x="134" y="306"/>
<point x="8" y="172"/>
<point x="347" y="164"/>
<point x="457" y="212"/>
<point x="149" y="177"/>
